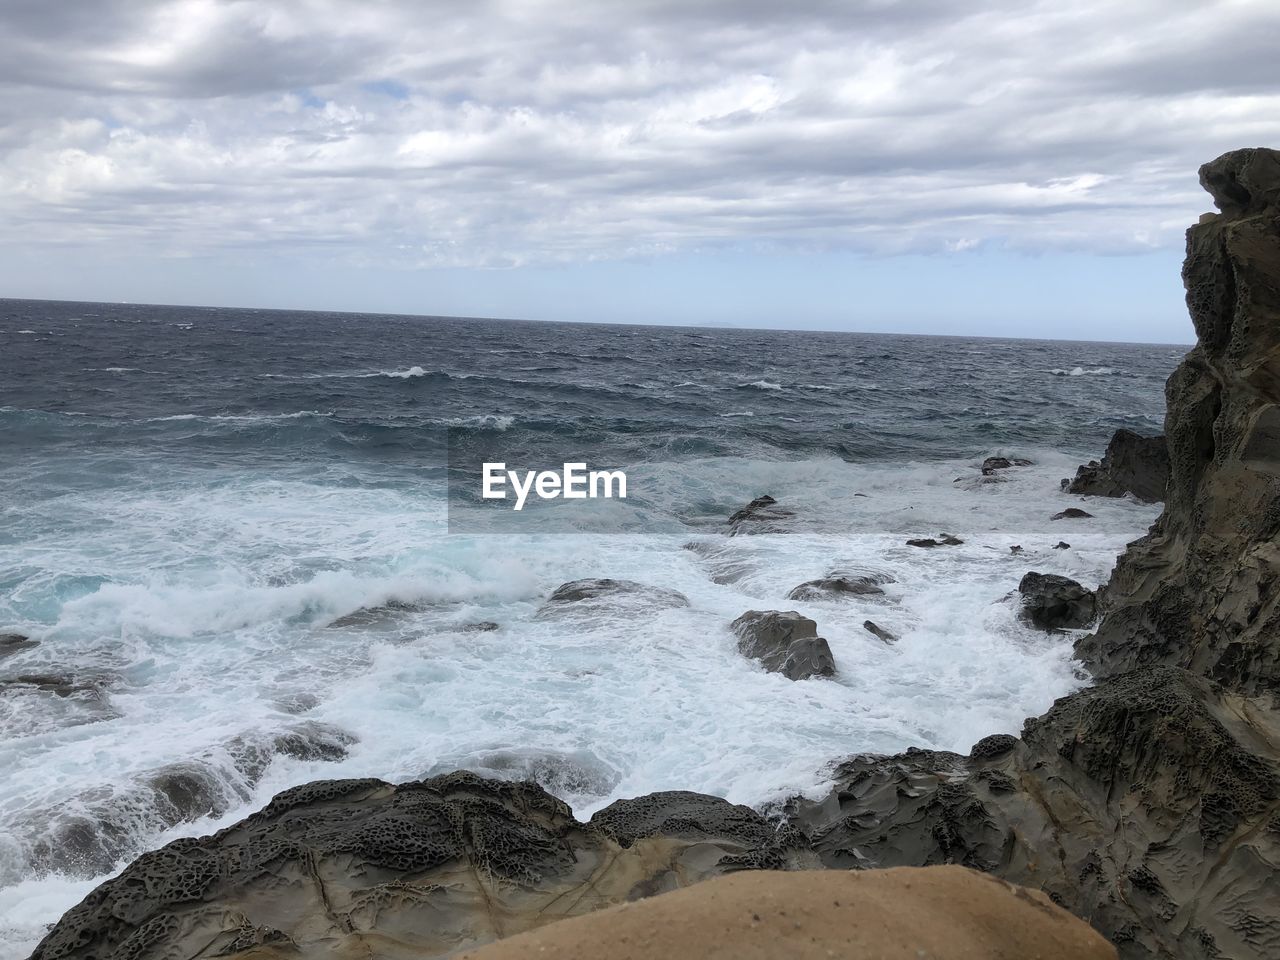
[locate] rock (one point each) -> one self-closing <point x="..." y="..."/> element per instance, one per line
<point x="992" y="464"/>
<point x="945" y="913"/>
<point x="878" y="631"/>
<point x="1133" y="464"/>
<point x="1202" y="589"/>
<point x="1062" y="545"/>
<point x="1143" y="804"/>
<point x="1072" y="513"/>
<point x="562" y="774"/>
<point x="11" y="643"/>
<point x="1016" y="548"/>
<point x="594" y="592"/>
<point x="345" y="868"/>
<point x="480" y="626"/>
<point x="944" y="540"/>
<point x="829" y="587"/>
<point x="380" y="615"/>
<point x="761" y="515"/>
<point x="784" y="642"/>
<point x="1051" y="602"/>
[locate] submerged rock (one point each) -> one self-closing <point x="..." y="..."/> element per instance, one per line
<point x="1133" y="464"/>
<point x="784" y="642"/>
<point x="596" y="591"/>
<point x="761" y="515"/>
<point x="829" y="587"/>
<point x="878" y="631"/>
<point x="1072" y="513"/>
<point x="379" y="615"/>
<point x="1051" y="602"/>
<point x="11" y="643"/>
<point x="944" y="540"/>
<point x="992" y="464"/>
<point x="364" y="868"/>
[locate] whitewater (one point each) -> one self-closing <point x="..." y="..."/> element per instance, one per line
<point x="229" y="533"/>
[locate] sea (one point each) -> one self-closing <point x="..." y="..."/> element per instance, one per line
<point x="228" y="532"/>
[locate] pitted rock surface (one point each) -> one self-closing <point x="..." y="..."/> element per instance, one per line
<point x="784" y="642"/>
<point x="1133" y="464"/>
<point x="355" y="868"/>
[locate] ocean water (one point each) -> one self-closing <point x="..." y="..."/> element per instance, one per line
<point x="227" y="529"/>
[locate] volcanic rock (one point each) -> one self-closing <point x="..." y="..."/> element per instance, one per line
<point x="1051" y="602"/>
<point x="784" y="642"/>
<point x="761" y="515"/>
<point x="825" y="588"/>
<point x="1133" y="464"/>
<point x="1072" y="513"/>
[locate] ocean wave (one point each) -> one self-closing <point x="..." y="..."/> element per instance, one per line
<point x="739" y="413"/>
<point x="488" y="421"/>
<point x="241" y="418"/>
<point x="1082" y="372"/>
<point x="761" y="385"/>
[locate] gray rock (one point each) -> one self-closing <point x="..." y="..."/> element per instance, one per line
<point x="1051" y="602"/>
<point x="1133" y="464"/>
<point x="993" y="464"/>
<point x="944" y="540"/>
<point x="11" y="643"/>
<point x="363" y="868"/>
<point x="831" y="587"/>
<point x="784" y="642"/>
<point x="597" y="591"/>
<point x="878" y="631"/>
<point x="1072" y="513"/>
<point x="1062" y="545"/>
<point x="761" y="515"/>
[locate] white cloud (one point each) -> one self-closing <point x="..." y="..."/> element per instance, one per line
<point x="521" y="132"/>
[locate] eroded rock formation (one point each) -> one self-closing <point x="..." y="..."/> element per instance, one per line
<point x="1133" y="464"/>
<point x="784" y="642"/>
<point x="361" y="868"/>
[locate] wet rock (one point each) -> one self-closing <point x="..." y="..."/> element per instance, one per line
<point x="594" y="592"/>
<point x="1141" y="804"/>
<point x="761" y="515"/>
<point x="11" y="643"/>
<point x="309" y="740"/>
<point x="480" y="626"/>
<point x="1016" y="548"/>
<point x="878" y="631"/>
<point x="1072" y="513"/>
<point x="1133" y="464"/>
<point x="784" y="642"/>
<point x="380" y="615"/>
<point x="944" y="540"/>
<point x="297" y="702"/>
<point x="833" y="587"/>
<point x="364" y="868"/>
<point x="993" y="464"/>
<point x="1051" y="602"/>
<point x="1062" y="545"/>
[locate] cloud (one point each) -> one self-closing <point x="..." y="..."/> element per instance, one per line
<point x="506" y="133"/>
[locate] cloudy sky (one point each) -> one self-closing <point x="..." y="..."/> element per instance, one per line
<point x="926" y="166"/>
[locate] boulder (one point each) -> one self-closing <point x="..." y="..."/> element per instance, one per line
<point x="784" y="642"/>
<point x="1133" y="464"/>
<point x="1051" y="602"/>
<point x="1062" y="545"/>
<point x="831" y="587"/>
<point x="347" y="868"/>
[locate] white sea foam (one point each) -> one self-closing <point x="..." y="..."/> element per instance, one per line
<point x="1082" y="372"/>
<point x="762" y="385"/>
<point x="212" y="630"/>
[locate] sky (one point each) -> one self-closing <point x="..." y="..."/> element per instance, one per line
<point x="1000" y="168"/>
